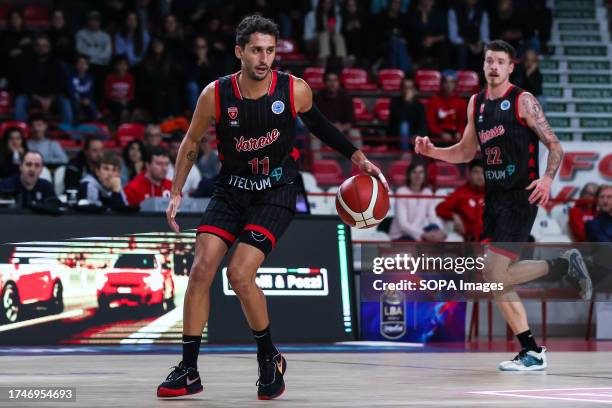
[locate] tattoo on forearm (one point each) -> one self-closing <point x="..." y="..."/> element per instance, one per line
<point x="191" y="156"/>
<point x="547" y="136"/>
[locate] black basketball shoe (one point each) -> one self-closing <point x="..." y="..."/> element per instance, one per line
<point x="181" y="381"/>
<point x="270" y="383"/>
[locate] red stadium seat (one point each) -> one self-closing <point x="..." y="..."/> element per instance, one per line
<point x="36" y="16"/>
<point x="428" y="81"/>
<point x="390" y="79"/>
<point x="314" y="77"/>
<point x="381" y="109"/>
<point x="361" y="111"/>
<point x="4" y="126"/>
<point x="128" y="132"/>
<point x="68" y="143"/>
<point x="287" y="50"/>
<point x="443" y="175"/>
<point x="397" y="172"/>
<point x="6" y="103"/>
<point x="467" y="82"/>
<point x="327" y="172"/>
<point x="356" y="79"/>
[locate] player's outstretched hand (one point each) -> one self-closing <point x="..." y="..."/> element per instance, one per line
<point x="173" y="206"/>
<point x="423" y="145"/>
<point x="541" y="191"/>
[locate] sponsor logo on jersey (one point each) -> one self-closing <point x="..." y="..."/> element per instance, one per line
<point x="480" y="117"/>
<point x="247" y="145"/>
<point x="486" y="135"/>
<point x="277" y="173"/>
<point x="278" y="107"/>
<point x="232" y="112"/>
<point x="248" y="184"/>
<point x="510" y="169"/>
<point x="495" y="175"/>
<point x="505" y="105"/>
<point x="257" y="236"/>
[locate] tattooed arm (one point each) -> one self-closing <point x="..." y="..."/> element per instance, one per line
<point x="531" y="112"/>
<point x="188" y="151"/>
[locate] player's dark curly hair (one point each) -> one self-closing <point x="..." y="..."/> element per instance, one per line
<point x="503" y="46"/>
<point x="255" y="24"/>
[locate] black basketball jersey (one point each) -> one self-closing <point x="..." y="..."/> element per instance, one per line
<point x="508" y="146"/>
<point x="256" y="136"/>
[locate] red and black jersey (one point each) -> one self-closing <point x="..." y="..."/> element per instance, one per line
<point x="509" y="147"/>
<point x="256" y="136"/>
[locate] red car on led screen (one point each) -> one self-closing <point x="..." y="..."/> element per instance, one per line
<point x="27" y="285"/>
<point x="136" y="279"/>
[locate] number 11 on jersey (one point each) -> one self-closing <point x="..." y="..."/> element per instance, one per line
<point x="265" y="165"/>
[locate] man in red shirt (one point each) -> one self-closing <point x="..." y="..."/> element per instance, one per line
<point x="465" y="205"/>
<point x="152" y="182"/>
<point x="119" y="90"/>
<point x="446" y="113"/>
<point x="582" y="212"/>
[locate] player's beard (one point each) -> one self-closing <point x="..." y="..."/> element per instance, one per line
<point x="255" y="77"/>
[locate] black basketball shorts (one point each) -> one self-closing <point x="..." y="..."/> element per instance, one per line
<point x="508" y="218"/>
<point x="257" y="218"/>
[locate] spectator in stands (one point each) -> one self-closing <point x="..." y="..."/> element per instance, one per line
<point x="27" y="187"/>
<point x="12" y="150"/>
<point x="153" y="182"/>
<point x="119" y="90"/>
<point x="599" y="229"/>
<point x="43" y="79"/>
<point x="415" y="218"/>
<point x="527" y="75"/>
<point x="159" y="68"/>
<point x="84" y="163"/>
<point x="337" y="106"/>
<point x="132" y="40"/>
<point x="103" y="188"/>
<point x="209" y="166"/>
<point x="582" y="212"/>
<point x="134" y="155"/>
<point x="429" y="35"/>
<point x="507" y="24"/>
<point x="406" y="114"/>
<point x="468" y="31"/>
<point x="446" y="112"/>
<point x="353" y="29"/>
<point x="173" y="36"/>
<point x="388" y="35"/>
<point x="61" y="37"/>
<point x="153" y="136"/>
<point x="95" y="44"/>
<point x="199" y="71"/>
<point x="15" y="42"/>
<point x="539" y="18"/>
<point x="83" y="95"/>
<point x="324" y="24"/>
<point x="465" y="205"/>
<point x="194" y="176"/>
<point x="51" y="150"/>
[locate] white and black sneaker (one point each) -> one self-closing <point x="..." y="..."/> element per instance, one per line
<point x="578" y="273"/>
<point x="526" y="360"/>
<point x="181" y="381"/>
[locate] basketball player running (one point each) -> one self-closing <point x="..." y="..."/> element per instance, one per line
<point x="507" y="122"/>
<point x="254" y="111"/>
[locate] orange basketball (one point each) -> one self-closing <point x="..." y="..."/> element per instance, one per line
<point x="362" y="201"/>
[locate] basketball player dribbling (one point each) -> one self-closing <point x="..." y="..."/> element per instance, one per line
<point x="507" y="123"/>
<point x="254" y="111"/>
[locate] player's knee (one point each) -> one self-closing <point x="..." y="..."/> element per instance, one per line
<point x="202" y="273"/>
<point x="240" y="281"/>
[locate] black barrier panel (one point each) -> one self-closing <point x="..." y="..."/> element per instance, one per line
<point x="121" y="279"/>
